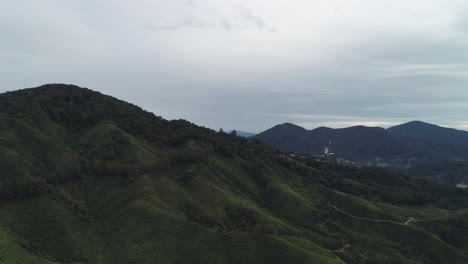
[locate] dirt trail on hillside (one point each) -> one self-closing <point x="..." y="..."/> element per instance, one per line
<point x="342" y="249"/>
<point x="410" y="219"/>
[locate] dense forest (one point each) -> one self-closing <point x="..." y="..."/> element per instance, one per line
<point x="88" y="178"/>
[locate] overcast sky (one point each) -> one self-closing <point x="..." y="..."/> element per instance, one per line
<point x="250" y="64"/>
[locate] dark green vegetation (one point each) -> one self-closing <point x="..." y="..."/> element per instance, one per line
<point x="448" y="172"/>
<point x="86" y="178"/>
<point x="413" y="148"/>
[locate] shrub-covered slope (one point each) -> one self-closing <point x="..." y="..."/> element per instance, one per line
<point x="87" y="178"/>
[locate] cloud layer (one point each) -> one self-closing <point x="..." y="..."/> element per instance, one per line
<point x="249" y="65"/>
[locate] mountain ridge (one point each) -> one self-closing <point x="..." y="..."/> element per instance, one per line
<point x="401" y="131"/>
<point x="411" y="144"/>
<point x="88" y="178"/>
<point x="409" y="123"/>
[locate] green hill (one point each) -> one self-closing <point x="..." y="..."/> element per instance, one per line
<point x="87" y="178"/>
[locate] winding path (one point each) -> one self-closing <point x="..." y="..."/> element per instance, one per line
<point x="410" y="219"/>
<point x="341" y="250"/>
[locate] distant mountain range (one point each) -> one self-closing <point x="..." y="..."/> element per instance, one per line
<point x="406" y="146"/>
<point x="242" y="133"/>
<point x="245" y="134"/>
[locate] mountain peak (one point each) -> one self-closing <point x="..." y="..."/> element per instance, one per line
<point x="62" y="87"/>
<point x="425" y="131"/>
<point x="287" y="127"/>
<point x="287" y="124"/>
<point x="416" y="123"/>
<point x="417" y="127"/>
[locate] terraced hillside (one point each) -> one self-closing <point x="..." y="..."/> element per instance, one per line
<point x="87" y="178"/>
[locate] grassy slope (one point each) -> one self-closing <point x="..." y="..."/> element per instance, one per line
<point x="188" y="204"/>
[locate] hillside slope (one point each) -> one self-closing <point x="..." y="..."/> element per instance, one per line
<point x="87" y="178"/>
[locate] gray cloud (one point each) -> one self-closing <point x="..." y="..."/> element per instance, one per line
<point x="192" y="3"/>
<point x="251" y="19"/>
<point x="186" y="23"/>
<point x="242" y="19"/>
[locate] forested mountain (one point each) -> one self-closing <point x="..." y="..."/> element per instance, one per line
<point x="87" y="178"/>
<point x="405" y="147"/>
<point x="424" y="131"/>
